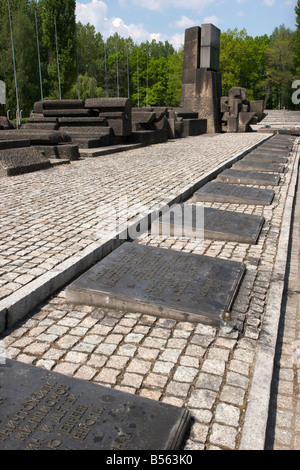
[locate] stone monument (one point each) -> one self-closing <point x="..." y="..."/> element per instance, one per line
<point x="201" y="79"/>
<point x="238" y="113"/>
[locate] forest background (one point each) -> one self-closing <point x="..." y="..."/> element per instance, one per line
<point x="77" y="62"/>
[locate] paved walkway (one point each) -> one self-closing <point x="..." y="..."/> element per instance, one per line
<point x="53" y="215"/>
<point x="284" y="422"/>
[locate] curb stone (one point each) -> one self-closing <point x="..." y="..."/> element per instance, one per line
<point x="19" y="304"/>
<point x="256" y="418"/>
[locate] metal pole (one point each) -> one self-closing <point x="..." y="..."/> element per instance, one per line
<point x="77" y="54"/>
<point x="147" y="78"/>
<point x="58" y="71"/>
<point x="39" y="57"/>
<point x="118" y="86"/>
<point x="92" y="70"/>
<point x="105" y="69"/>
<point x="138" y="79"/>
<point x="14" y="61"/>
<point x="128" y="76"/>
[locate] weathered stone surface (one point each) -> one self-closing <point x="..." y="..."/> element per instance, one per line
<point x="266" y="150"/>
<point x="40" y="106"/>
<point x="249" y="177"/>
<point x="210" y="47"/>
<point x="194" y="127"/>
<point x="68" y="112"/>
<point x="160" y="282"/>
<point x="235" y="194"/>
<point x="191" y="221"/>
<point x="82" y="121"/>
<point x="209" y="92"/>
<point x="67" y="151"/>
<point x="191" y="62"/>
<point x="263" y="157"/>
<point x="237" y="113"/>
<point x="22" y="160"/>
<point x="41" y="410"/>
<point x="107" y="105"/>
<point x="201" y="82"/>
<point x="12" y="144"/>
<point x="41" y="125"/>
<point x="147" y="137"/>
<point x="259" y="165"/>
<point x="36" y="136"/>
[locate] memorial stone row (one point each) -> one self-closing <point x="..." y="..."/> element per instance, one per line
<point x="44" y="410"/>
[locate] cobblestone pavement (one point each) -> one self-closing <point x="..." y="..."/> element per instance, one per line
<point x="48" y="216"/>
<point x="284" y="422"/>
<point x="187" y="365"/>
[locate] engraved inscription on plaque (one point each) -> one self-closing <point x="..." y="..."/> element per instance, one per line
<point x="160" y="282"/>
<point x="279" y="149"/>
<point x="261" y="166"/>
<point x="233" y="194"/>
<point x="41" y="410"/>
<point x="218" y="225"/>
<point x="262" y="157"/>
<point x="249" y="177"/>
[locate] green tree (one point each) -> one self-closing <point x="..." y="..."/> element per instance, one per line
<point x="296" y="40"/>
<point x="280" y="75"/>
<point x="22" y="20"/>
<point x="63" y="12"/>
<point x="243" y="61"/>
<point x="88" y="88"/>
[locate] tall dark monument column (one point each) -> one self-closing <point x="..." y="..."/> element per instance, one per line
<point x="201" y="79"/>
<point x="191" y="63"/>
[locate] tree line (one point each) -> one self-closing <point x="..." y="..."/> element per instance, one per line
<point x="76" y="62"/>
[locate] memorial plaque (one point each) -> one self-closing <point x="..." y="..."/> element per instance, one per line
<point x="269" y="152"/>
<point x="249" y="177"/>
<point x="217" y="224"/>
<point x="267" y="158"/>
<point x="260" y="166"/>
<point x="233" y="194"/>
<point x="281" y="147"/>
<point x="42" y="410"/>
<point x="160" y="282"/>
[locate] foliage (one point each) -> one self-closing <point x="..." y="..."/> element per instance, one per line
<point x="150" y="73"/>
<point x="243" y="61"/>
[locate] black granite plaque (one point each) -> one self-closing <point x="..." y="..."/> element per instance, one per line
<point x="266" y="158"/>
<point x="280" y="147"/>
<point x="284" y="147"/>
<point x="249" y="177"/>
<point x="233" y="194"/>
<point x="215" y="224"/>
<point x="42" y="410"/>
<point x="160" y="282"/>
<point x="269" y="151"/>
<point x="266" y="167"/>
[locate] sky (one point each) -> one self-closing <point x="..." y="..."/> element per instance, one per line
<point x="166" y="20"/>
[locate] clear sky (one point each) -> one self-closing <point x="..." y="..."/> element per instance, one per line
<point x="167" y="19"/>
